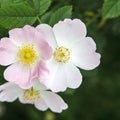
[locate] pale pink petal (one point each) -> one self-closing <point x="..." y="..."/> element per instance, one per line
<point x="41" y="105"/>
<point x="8" y="52"/>
<point x="22" y="35"/>
<point x="29" y="33"/>
<point x="9" y="92"/>
<point x="41" y="71"/>
<point x="19" y="75"/>
<point x="53" y="101"/>
<point x="68" y="31"/>
<point x="83" y="54"/>
<point x="43" y="48"/>
<point x="17" y="35"/>
<point x="47" y="32"/>
<point x="46" y="50"/>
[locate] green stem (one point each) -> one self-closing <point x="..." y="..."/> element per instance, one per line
<point x="39" y="20"/>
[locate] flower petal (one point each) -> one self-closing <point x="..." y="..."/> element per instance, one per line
<point x="8" y="52"/>
<point x="73" y="76"/>
<point x="29" y="33"/>
<point x="53" y="101"/>
<point x="62" y="76"/>
<point x="83" y="54"/>
<point x="38" y="86"/>
<point x="41" y="71"/>
<point x="22" y="35"/>
<point x="56" y="80"/>
<point x="17" y="35"/>
<point x="9" y="92"/>
<point x="19" y="75"/>
<point x="46" y="50"/>
<point x="47" y="32"/>
<point x="41" y="105"/>
<point x="43" y="47"/>
<point x="68" y="31"/>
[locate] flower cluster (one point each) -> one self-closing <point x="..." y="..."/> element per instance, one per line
<point x="43" y="61"/>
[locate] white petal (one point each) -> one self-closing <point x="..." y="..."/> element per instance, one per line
<point x="53" y="101"/>
<point x="39" y="86"/>
<point x="41" y="105"/>
<point x="73" y="76"/>
<point x="83" y="54"/>
<point x="68" y="31"/>
<point x="9" y="92"/>
<point x="56" y="80"/>
<point x="47" y="32"/>
<point x="62" y="76"/>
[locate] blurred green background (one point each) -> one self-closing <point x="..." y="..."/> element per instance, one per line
<point x="98" y="97"/>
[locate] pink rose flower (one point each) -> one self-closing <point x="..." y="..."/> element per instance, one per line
<point x="25" y="51"/>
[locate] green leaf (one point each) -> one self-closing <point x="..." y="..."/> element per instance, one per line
<point x="16" y="16"/>
<point x="4" y="3"/>
<point x="111" y="8"/>
<point x="61" y="14"/>
<point x="40" y="6"/>
<point x="46" y="17"/>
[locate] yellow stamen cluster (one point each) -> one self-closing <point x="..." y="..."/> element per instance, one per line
<point x="61" y="54"/>
<point x="31" y="95"/>
<point x="27" y="55"/>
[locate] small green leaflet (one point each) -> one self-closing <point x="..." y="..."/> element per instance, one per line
<point x="16" y="16"/>
<point x="111" y="8"/>
<point x="41" y="6"/>
<point x="61" y="14"/>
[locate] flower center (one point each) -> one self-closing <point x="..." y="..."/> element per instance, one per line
<point x="31" y="95"/>
<point x="61" y="54"/>
<point x="27" y="55"/>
